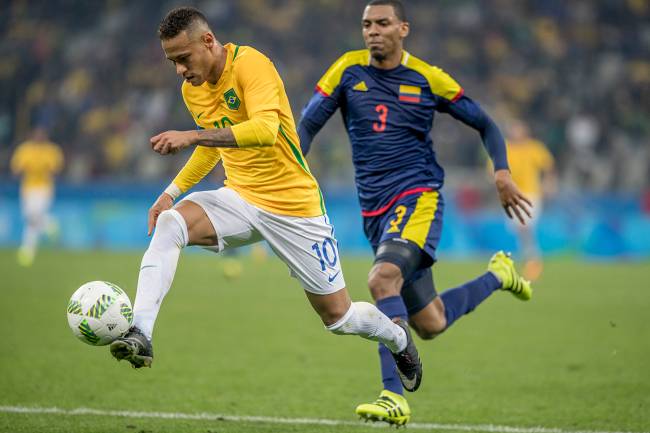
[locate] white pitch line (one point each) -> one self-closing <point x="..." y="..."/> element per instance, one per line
<point x="489" y="428"/>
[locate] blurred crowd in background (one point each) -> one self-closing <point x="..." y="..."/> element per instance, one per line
<point x="93" y="74"/>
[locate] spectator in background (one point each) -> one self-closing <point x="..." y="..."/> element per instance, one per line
<point x="532" y="168"/>
<point x="36" y="160"/>
<point x="579" y="71"/>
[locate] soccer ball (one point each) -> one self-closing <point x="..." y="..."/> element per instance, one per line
<point x="99" y="312"/>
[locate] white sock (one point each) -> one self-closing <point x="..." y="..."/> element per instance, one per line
<point x="158" y="268"/>
<point x="365" y="320"/>
<point x="31" y="233"/>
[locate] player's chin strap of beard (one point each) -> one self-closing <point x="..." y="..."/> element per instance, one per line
<point x="404" y="254"/>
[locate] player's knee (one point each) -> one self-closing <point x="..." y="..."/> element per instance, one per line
<point x="171" y="225"/>
<point x="165" y="217"/>
<point x="384" y="280"/>
<point x="168" y="220"/>
<point x="33" y="220"/>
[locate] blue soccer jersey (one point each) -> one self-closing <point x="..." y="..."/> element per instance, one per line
<point x="388" y="115"/>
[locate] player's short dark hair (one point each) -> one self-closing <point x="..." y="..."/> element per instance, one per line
<point x="179" y="19"/>
<point x="397" y="5"/>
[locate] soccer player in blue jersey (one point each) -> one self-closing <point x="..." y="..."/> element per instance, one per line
<point x="388" y="98"/>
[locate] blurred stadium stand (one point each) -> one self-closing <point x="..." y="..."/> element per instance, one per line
<point x="578" y="72"/>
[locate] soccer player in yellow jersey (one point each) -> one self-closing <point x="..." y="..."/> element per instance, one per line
<point x="36" y="160"/>
<point x="532" y="167"/>
<point x="239" y="104"/>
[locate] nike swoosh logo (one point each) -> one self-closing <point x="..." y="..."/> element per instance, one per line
<point x="147" y="266"/>
<point x="333" y="277"/>
<point x="409" y="384"/>
<point x="198" y="116"/>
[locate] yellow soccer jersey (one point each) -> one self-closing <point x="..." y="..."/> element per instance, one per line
<point x="37" y="162"/>
<point x="528" y="159"/>
<point x="250" y="98"/>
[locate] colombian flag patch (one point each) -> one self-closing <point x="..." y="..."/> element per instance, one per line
<point x="409" y="94"/>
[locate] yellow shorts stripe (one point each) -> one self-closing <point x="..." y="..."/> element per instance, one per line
<point x="418" y="225"/>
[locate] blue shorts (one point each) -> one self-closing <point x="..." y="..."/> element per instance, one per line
<point x="415" y="217"/>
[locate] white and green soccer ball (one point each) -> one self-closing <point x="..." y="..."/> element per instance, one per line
<point x="99" y="312"/>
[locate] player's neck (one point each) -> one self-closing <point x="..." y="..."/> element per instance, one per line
<point x="220" y="64"/>
<point x="389" y="62"/>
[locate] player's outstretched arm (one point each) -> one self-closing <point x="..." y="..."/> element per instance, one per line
<point x="315" y="114"/>
<point x="201" y="163"/>
<point x="470" y="113"/>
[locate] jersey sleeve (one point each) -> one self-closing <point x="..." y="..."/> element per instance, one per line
<point x="260" y="84"/>
<point x="544" y="158"/>
<point x="327" y="97"/>
<point x="441" y="84"/>
<point x="315" y="114"/>
<point x="201" y="162"/>
<point x="330" y="83"/>
<point x="57" y="159"/>
<point x="471" y="114"/>
<point x="17" y="160"/>
<point x="444" y="86"/>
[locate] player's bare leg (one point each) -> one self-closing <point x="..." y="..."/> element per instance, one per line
<point x="430" y="321"/>
<point x="385" y="282"/>
<point x="199" y="227"/>
<point x="187" y="224"/>
<point x="342" y="316"/>
<point x="387" y="287"/>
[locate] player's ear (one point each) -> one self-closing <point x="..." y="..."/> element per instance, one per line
<point x="208" y="39"/>
<point x="404" y="29"/>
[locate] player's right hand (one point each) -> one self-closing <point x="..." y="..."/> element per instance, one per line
<point x="513" y="201"/>
<point x="162" y="203"/>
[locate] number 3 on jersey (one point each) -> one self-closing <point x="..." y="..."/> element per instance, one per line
<point x="382" y="111"/>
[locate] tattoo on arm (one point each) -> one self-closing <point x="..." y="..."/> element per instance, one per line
<point x="222" y="137"/>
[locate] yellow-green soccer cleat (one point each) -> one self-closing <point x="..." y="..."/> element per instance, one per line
<point x="502" y="266"/>
<point x="389" y="407"/>
<point x="26" y="257"/>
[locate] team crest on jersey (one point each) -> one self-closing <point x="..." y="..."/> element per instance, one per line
<point x="232" y="100"/>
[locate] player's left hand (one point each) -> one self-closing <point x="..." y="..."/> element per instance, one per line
<point x="172" y="141"/>
<point x="514" y="202"/>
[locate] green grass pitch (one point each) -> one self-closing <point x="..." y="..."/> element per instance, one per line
<point x="576" y="358"/>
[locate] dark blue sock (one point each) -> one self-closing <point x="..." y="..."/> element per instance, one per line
<point x="463" y="299"/>
<point x="392" y="307"/>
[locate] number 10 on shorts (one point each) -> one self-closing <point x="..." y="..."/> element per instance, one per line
<point x="326" y="253"/>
